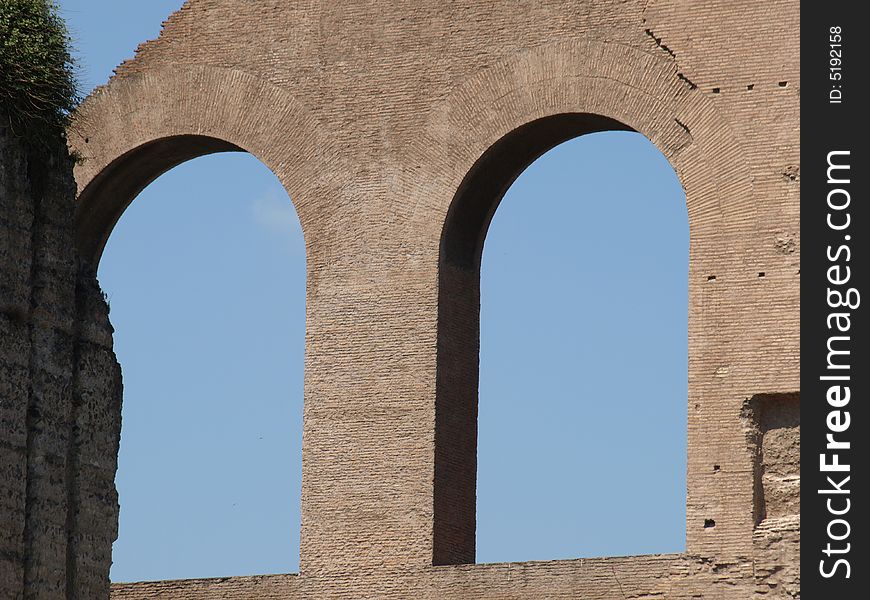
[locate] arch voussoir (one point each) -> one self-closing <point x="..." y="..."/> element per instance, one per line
<point x="190" y="111"/>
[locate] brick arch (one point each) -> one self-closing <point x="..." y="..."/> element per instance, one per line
<point x="137" y="127"/>
<point x="640" y="90"/>
<point x="126" y="134"/>
<point x="399" y="103"/>
<point x="490" y="127"/>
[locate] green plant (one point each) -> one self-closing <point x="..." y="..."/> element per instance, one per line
<point x="38" y="86"/>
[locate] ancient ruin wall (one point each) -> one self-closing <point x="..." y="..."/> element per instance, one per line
<point x="60" y="393"/>
<point x="394" y="127"/>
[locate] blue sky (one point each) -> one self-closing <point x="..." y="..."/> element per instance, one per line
<point x="583" y="352"/>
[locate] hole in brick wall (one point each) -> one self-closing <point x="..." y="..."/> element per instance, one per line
<point x="783" y="84"/>
<point x="711" y="278"/>
<point x="538" y="416"/>
<point x="716" y="90"/>
<point x="750" y="87"/>
<point x="773" y="423"/>
<point x="209" y="330"/>
<point x="761" y="273"/>
<point x="708" y="523"/>
<point x="716" y="468"/>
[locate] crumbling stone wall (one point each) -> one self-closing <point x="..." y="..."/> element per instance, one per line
<point x="395" y="128"/>
<point x="60" y="393"/>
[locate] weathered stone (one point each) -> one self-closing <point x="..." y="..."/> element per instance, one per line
<point x="395" y="127"/>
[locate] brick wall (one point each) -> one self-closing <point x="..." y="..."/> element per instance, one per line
<point x="395" y="128"/>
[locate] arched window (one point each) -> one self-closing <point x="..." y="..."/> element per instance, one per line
<point x="205" y="277"/>
<point x="563" y="434"/>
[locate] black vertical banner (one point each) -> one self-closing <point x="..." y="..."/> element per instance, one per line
<point x="835" y="225"/>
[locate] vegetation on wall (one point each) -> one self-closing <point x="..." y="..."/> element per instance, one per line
<point x="38" y="86"/>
